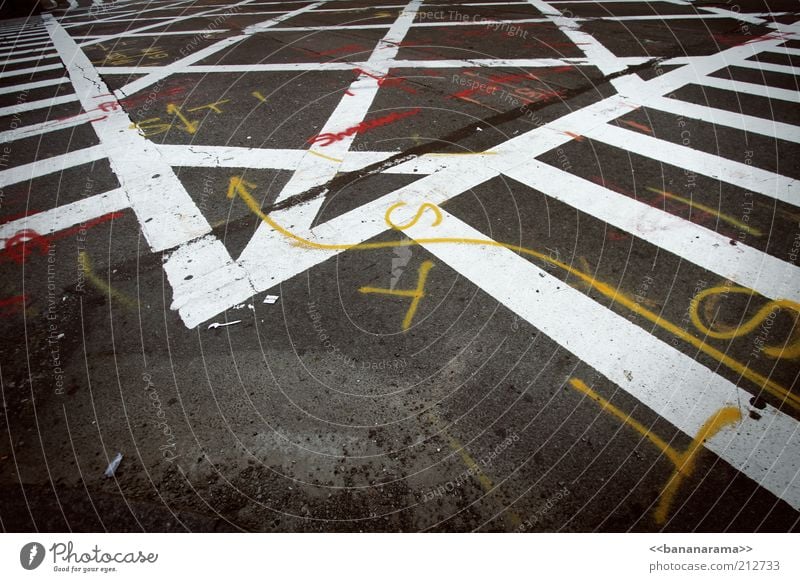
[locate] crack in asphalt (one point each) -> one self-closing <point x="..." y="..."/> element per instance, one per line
<point x="344" y="180"/>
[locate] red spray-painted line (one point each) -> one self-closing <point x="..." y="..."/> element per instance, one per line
<point x="107" y="106"/>
<point x="387" y="80"/>
<point x="637" y="125"/>
<point x="11" y="304"/>
<point x="16" y="246"/>
<point x="364" y="126"/>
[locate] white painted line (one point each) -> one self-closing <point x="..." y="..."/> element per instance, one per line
<point x="16" y="39"/>
<point x="212" y="11"/>
<point x="598" y="55"/>
<point x="740" y="121"/>
<point x="346" y="66"/>
<point x="744" y="17"/>
<point x="28" y="59"/>
<point x="350" y="111"/>
<point x="785" y="50"/>
<point x="364" y="10"/>
<point x="700" y="67"/>
<point x="332" y="28"/>
<point x="196" y="271"/>
<point x="276" y="259"/>
<point x="151" y="78"/>
<point x="286" y="159"/>
<point x="47" y="126"/>
<point x="262" y="257"/>
<point x="159" y="33"/>
<point x="672" y="384"/>
<point x="125" y="11"/>
<point x="659" y="17"/>
<point x="34" y="85"/>
<point x="23" y="45"/>
<point x="40" y="104"/>
<point x="596" y="2"/>
<point x="230" y="157"/>
<point x="123" y="18"/>
<point x="742" y="175"/>
<point x="17" y="72"/>
<point x="46" y="166"/>
<point x="166" y="213"/>
<point x="751" y="89"/>
<point x="521" y="63"/>
<point x="68" y="215"/>
<point x="35" y="31"/>
<point x="771" y="67"/>
<point x="26" y="52"/>
<point x="703" y="247"/>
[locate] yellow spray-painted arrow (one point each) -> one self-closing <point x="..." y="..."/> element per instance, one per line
<point x="240" y="186"/>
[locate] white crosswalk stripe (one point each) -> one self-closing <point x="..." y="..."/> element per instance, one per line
<point x="206" y="279"/>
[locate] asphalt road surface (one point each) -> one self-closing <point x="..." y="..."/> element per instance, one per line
<point x="372" y="266"/>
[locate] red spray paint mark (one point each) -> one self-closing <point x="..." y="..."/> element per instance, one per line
<point x="10" y="305"/>
<point x="17" y="246"/>
<point x="771" y="36"/>
<point x="636" y="125"/>
<point x="324" y="139"/>
<point x="348" y="48"/>
<point x="145" y="97"/>
<point x="615" y="235"/>
<point x="108" y="106"/>
<point x="729" y="39"/>
<point x="387" y="80"/>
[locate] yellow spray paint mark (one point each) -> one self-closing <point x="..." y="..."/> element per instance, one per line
<point x="415" y="295"/>
<point x="718" y="421"/>
<point x="190" y="126"/>
<point x="259" y="96"/>
<point x="606" y="406"/>
<point x="320" y="155"/>
<point x="722" y="216"/>
<point x="474" y="468"/>
<point x="709" y="309"/>
<point x="150" y="127"/>
<point x="417" y="216"/>
<point x="764" y="383"/>
<point x="684" y="461"/>
<point x="212" y="106"/>
<point x="591" y="285"/>
<point x="783" y="351"/>
<point x="86" y="267"/>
